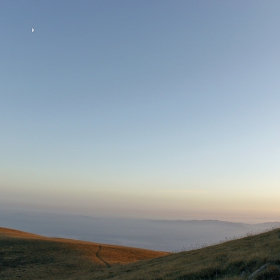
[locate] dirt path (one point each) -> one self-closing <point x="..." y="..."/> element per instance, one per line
<point x="98" y="256"/>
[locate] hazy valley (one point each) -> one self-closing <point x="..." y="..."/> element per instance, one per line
<point x="161" y="235"/>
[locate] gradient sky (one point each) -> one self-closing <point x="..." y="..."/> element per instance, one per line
<point x="144" y="109"/>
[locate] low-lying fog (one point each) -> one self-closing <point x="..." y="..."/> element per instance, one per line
<point x="162" y="235"/>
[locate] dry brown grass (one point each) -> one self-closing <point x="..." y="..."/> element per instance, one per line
<point x="29" y="256"/>
<point x="34" y="257"/>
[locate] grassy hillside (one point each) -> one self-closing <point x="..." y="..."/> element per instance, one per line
<point x="237" y="259"/>
<point x="29" y="256"/>
<point x="33" y="257"/>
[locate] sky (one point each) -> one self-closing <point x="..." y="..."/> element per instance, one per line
<point x="141" y="109"/>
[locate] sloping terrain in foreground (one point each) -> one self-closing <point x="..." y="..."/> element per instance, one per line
<point x="254" y="257"/>
<point x="27" y="256"/>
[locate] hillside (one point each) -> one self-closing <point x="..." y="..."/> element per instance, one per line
<point x="30" y="256"/>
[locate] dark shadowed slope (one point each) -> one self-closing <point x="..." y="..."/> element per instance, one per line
<point x="253" y="257"/>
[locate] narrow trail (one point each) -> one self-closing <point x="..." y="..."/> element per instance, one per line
<point x="98" y="256"/>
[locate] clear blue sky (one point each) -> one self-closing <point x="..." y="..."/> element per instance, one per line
<point x="158" y="109"/>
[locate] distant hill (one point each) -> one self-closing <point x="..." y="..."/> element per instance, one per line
<point x="159" y="235"/>
<point x="29" y="256"/>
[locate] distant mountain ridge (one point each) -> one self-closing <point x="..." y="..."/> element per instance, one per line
<point x="161" y="235"/>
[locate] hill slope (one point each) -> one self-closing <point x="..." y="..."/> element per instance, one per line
<point x="236" y="259"/>
<point x="33" y="257"/>
<point x="29" y="256"/>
